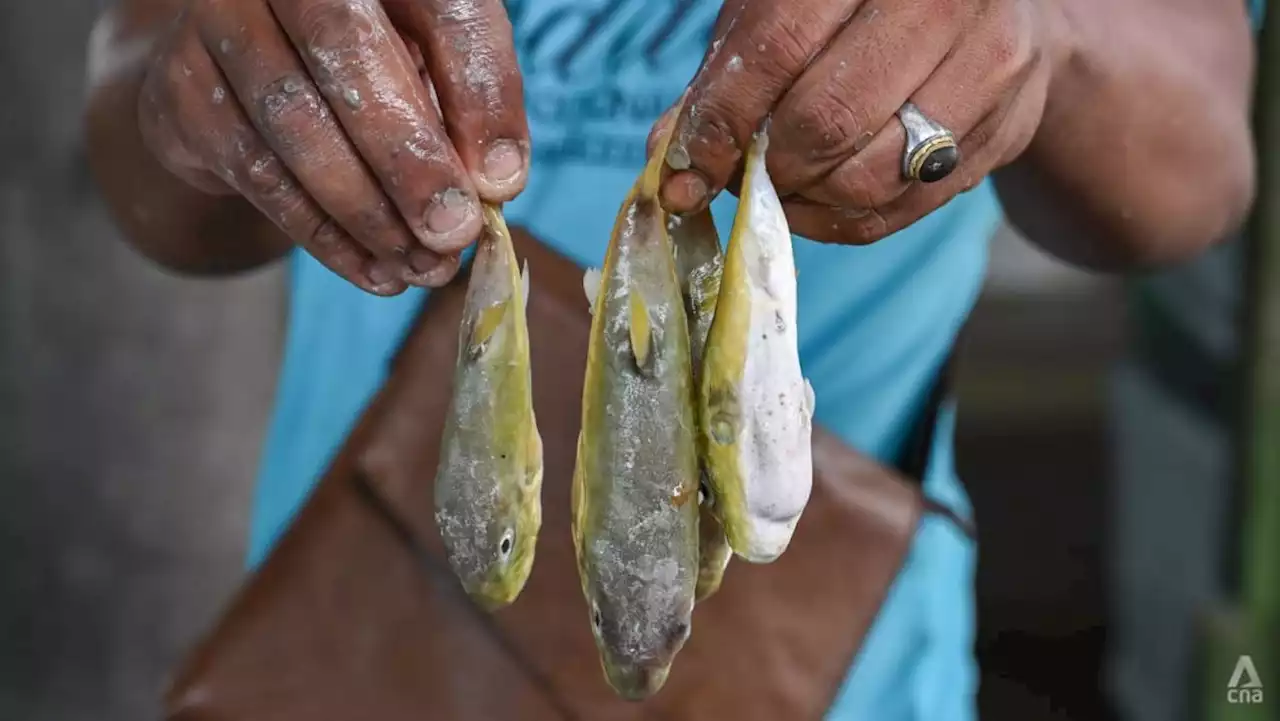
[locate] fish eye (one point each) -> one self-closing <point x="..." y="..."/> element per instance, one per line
<point x="722" y="430"/>
<point x="504" y="547"/>
<point x="680" y="632"/>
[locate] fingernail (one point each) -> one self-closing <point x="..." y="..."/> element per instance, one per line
<point x="450" y="211"/>
<point x="697" y="188"/>
<point x="390" y="288"/>
<point x="423" y="261"/>
<point x="384" y="271"/>
<point x="429" y="270"/>
<point x="678" y="157"/>
<point x="685" y="192"/>
<point x="419" y="280"/>
<point x="503" y="163"/>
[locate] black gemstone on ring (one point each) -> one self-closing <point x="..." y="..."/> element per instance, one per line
<point x="939" y="164"/>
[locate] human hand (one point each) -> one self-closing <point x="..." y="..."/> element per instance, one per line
<point x="323" y="114"/>
<point x="831" y="74"/>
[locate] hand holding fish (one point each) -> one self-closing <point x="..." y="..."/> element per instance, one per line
<point x="368" y="131"/>
<point x="833" y="74"/>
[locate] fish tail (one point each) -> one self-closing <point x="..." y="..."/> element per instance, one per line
<point x="652" y="178"/>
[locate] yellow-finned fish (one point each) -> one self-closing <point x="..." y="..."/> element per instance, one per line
<point x="700" y="263"/>
<point x="489" y="482"/>
<point x="635" y="485"/>
<point x="755" y="406"/>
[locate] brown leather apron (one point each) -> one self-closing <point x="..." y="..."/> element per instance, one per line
<point x="355" y="615"/>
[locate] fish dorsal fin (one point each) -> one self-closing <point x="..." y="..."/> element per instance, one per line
<point x="486" y="324"/>
<point x="524" y="285"/>
<point x="641" y="334"/>
<point x="591" y="286"/>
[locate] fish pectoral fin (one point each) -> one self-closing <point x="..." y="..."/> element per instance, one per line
<point x="810" y="398"/>
<point x="486" y="324"/>
<point x="577" y="499"/>
<point x="533" y="459"/>
<point x="641" y="334"/>
<point x="591" y="286"/>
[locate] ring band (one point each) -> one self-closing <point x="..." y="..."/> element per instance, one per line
<point x="931" y="152"/>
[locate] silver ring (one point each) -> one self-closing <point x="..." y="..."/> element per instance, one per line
<point x="931" y="153"/>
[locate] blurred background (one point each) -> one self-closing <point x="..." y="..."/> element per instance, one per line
<point x="1100" y="432"/>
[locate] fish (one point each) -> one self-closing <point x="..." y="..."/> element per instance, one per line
<point x="714" y="551"/>
<point x="700" y="263"/>
<point x="755" y="406"/>
<point x="488" y="485"/>
<point x="635" y="482"/>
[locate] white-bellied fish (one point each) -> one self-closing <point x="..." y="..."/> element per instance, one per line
<point x="635" y="485"/>
<point x="755" y="407"/>
<point x="699" y="263"/>
<point x="489" y="482"/>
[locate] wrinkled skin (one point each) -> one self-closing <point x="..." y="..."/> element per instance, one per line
<point x="830" y="74"/>
<point x="324" y="115"/>
<point x="488" y="486"/>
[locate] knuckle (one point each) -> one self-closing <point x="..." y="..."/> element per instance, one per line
<point x="337" y="34"/>
<point x="264" y="177"/>
<point x="377" y="227"/>
<point x="425" y="147"/>
<point x="288" y="107"/>
<point x="825" y="126"/>
<point x="1002" y="49"/>
<point x="1011" y="46"/>
<point x="781" y="45"/>
<point x="327" y="236"/>
<point x="711" y="136"/>
<point x="258" y="175"/>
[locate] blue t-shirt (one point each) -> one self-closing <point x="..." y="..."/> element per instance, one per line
<point x="875" y="323"/>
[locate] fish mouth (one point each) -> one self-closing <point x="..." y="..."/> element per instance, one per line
<point x="636" y="681"/>
<point x="491" y="593"/>
<point x="764" y="539"/>
<point x="489" y="602"/>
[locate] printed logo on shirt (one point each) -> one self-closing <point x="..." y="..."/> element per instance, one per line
<point x="597" y="73"/>
<point x="1245" y="686"/>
